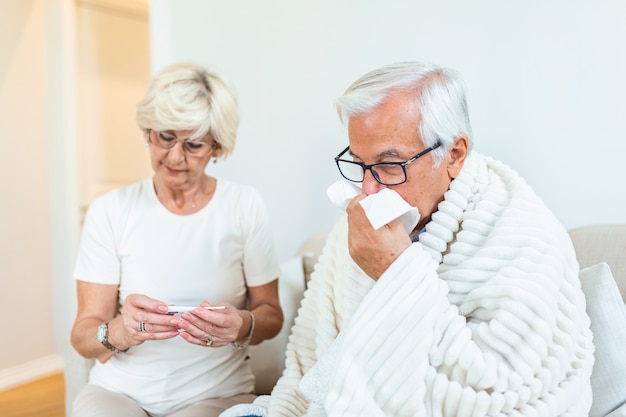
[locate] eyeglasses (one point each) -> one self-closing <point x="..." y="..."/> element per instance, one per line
<point x="168" y="141"/>
<point x="386" y="173"/>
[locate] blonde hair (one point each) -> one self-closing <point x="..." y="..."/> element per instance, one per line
<point x="188" y="96"/>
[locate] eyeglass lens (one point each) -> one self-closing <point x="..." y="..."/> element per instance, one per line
<point x="168" y="141"/>
<point x="387" y="174"/>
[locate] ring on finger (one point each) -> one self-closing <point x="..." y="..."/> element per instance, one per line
<point x="209" y="340"/>
<point x="142" y="326"/>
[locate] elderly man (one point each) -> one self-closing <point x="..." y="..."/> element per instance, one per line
<point x="477" y="311"/>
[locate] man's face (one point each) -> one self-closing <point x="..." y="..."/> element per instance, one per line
<point x="390" y="134"/>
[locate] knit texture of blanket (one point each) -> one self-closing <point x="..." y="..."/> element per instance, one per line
<point x="483" y="317"/>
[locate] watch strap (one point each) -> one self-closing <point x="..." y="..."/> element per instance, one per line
<point x="105" y="339"/>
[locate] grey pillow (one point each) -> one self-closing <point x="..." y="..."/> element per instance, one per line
<point x="607" y="312"/>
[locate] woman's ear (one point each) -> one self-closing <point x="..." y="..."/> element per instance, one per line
<point x="216" y="151"/>
<point x="458" y="153"/>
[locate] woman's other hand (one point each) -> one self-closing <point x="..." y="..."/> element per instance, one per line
<point x="217" y="328"/>
<point x="214" y="328"/>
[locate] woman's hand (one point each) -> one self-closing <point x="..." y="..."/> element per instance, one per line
<point x="214" y="328"/>
<point x="373" y="250"/>
<point x="144" y="318"/>
<point x="217" y="328"/>
<point x="97" y="304"/>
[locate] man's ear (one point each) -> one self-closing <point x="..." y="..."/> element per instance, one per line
<point x="458" y="153"/>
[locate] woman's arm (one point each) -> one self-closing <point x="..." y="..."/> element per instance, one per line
<point x="97" y="304"/>
<point x="268" y="315"/>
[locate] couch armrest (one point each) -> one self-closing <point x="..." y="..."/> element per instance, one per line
<point x="602" y="243"/>
<point x="76" y="373"/>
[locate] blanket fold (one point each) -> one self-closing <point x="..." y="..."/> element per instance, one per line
<point x="483" y="317"/>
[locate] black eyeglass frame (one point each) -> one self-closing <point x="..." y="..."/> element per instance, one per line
<point x="366" y="167"/>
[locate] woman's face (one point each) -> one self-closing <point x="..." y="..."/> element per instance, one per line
<point x="176" y="160"/>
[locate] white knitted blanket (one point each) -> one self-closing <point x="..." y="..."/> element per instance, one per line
<point x="484" y="317"/>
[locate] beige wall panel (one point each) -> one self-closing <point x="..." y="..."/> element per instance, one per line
<point x="113" y="72"/>
<point x="25" y="262"/>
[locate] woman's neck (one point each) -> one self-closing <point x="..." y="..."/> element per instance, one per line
<point x="186" y="199"/>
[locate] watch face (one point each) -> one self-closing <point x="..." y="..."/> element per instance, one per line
<point x="102" y="333"/>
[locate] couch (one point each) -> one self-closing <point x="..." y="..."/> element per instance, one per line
<point x="601" y="252"/>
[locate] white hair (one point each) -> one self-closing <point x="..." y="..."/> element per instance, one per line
<point x="187" y="96"/>
<point x="439" y="93"/>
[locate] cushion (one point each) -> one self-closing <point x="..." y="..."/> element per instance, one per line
<point x="620" y="412"/>
<point x="602" y="243"/>
<point x="608" y="323"/>
<point x="310" y="251"/>
<point x="268" y="358"/>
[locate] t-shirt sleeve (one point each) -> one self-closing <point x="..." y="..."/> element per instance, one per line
<point x="260" y="262"/>
<point x="97" y="259"/>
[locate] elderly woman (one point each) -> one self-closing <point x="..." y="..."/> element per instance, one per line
<point x="180" y="238"/>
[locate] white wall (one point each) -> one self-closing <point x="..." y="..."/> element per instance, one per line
<point x="546" y="80"/>
<point x="36" y="223"/>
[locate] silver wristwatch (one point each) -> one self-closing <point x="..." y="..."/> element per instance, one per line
<point x="103" y="337"/>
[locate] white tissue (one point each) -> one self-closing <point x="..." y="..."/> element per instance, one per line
<point x="341" y="192"/>
<point x="380" y="208"/>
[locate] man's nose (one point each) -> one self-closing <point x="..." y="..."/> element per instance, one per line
<point x="370" y="185"/>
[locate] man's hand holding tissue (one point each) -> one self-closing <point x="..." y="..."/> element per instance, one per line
<point x="374" y="250"/>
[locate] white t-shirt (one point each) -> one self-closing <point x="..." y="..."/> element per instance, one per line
<point x="129" y="239"/>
